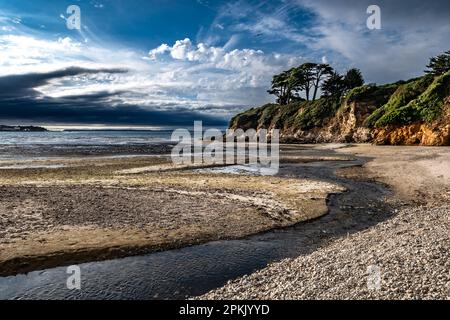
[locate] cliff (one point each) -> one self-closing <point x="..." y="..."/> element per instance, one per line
<point x="414" y="112"/>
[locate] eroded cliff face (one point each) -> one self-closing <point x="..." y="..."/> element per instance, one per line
<point x="348" y="125"/>
<point x="394" y="114"/>
<point x="426" y="134"/>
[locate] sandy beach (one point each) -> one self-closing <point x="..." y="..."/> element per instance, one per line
<point x="89" y="209"/>
<point x="356" y="205"/>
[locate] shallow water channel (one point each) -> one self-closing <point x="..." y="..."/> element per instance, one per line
<point x="194" y="270"/>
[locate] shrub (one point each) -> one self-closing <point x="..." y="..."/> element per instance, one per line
<point x="422" y="100"/>
<point x="402" y="96"/>
<point x="315" y="113"/>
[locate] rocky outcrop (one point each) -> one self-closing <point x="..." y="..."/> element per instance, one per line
<point x="434" y="134"/>
<point x="346" y="126"/>
<point x="349" y="127"/>
<point x="394" y="114"/>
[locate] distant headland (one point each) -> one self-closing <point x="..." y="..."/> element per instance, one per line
<point x="22" y="128"/>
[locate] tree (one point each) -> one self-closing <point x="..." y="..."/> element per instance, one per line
<point x="279" y="87"/>
<point x="439" y="65"/>
<point x="306" y="72"/>
<point x="286" y="85"/>
<point x="295" y="83"/>
<point x="319" y="72"/>
<point x="337" y="85"/>
<point x="353" y="79"/>
<point x="334" y="86"/>
<point x="312" y="76"/>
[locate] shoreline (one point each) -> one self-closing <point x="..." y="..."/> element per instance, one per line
<point x="313" y="164"/>
<point x="410" y="249"/>
<point x="85" y="244"/>
<point x="105" y="224"/>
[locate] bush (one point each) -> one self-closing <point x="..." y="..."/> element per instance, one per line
<point x="285" y="115"/>
<point x="315" y="113"/>
<point x="421" y="100"/>
<point x="404" y="94"/>
<point x="247" y="119"/>
<point x="377" y="95"/>
<point x="430" y="104"/>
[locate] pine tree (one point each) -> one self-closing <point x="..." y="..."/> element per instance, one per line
<point x="439" y="65"/>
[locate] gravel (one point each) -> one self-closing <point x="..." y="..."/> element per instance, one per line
<point x="404" y="257"/>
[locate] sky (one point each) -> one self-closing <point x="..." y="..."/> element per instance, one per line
<point x="168" y="63"/>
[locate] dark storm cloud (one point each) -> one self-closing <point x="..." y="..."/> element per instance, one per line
<point x="79" y="112"/>
<point x="19" y="102"/>
<point x="23" y="85"/>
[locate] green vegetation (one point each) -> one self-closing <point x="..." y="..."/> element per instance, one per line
<point x="439" y="65"/>
<point x="249" y="118"/>
<point x="301" y="115"/>
<point x="316" y="113"/>
<point x="417" y="100"/>
<point x="284" y="116"/>
<point x="377" y="95"/>
<point x="430" y="103"/>
<point x="393" y="109"/>
<point x="308" y="78"/>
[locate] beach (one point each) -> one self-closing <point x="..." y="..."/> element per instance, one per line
<point x="409" y="248"/>
<point x="57" y="210"/>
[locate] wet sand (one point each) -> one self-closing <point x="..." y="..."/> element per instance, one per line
<point x="95" y="209"/>
<point x="100" y="208"/>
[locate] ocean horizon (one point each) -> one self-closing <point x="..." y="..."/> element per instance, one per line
<point x="91" y="136"/>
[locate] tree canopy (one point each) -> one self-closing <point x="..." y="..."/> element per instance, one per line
<point x="439" y="65"/>
<point x="308" y="78"/>
<point x="353" y="79"/>
<point x="334" y="86"/>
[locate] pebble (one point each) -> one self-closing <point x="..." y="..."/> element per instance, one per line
<point x="411" y="266"/>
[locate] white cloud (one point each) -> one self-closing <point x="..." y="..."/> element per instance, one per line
<point x="184" y="76"/>
<point x="239" y="77"/>
<point x="411" y="33"/>
<point x="182" y="49"/>
<point x="157" y="51"/>
<point x="21" y="54"/>
<point x="221" y="58"/>
<point x="185" y="50"/>
<point x="218" y="76"/>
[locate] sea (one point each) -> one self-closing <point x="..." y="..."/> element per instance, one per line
<point x="86" y="137"/>
<point x="71" y="143"/>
